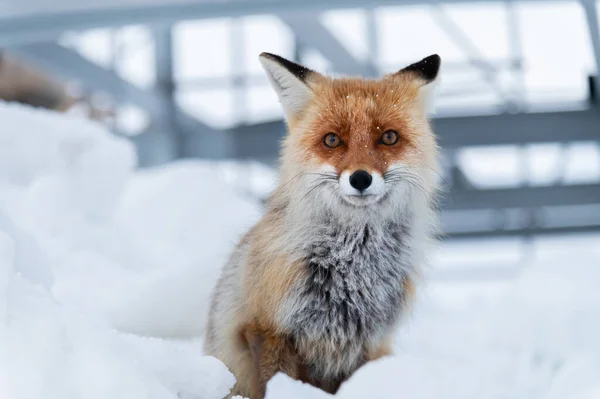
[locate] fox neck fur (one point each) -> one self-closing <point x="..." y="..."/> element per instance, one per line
<point x="359" y="269"/>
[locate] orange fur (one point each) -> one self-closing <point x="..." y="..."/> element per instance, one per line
<point x="271" y="353"/>
<point x="269" y="277"/>
<point x="384" y="349"/>
<point x="360" y="111"/>
<point x="409" y="289"/>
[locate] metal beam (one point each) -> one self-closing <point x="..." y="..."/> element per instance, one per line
<point x="591" y="15"/>
<point x="522" y="197"/>
<point x="204" y="140"/>
<point x="372" y="34"/>
<point x="475" y="56"/>
<point x="312" y="33"/>
<point x="165" y="90"/>
<point x="523" y="128"/>
<point x="516" y="54"/>
<point x="35" y="26"/>
<point x="534" y="231"/>
<point x="262" y="140"/>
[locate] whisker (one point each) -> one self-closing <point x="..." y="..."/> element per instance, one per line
<point x="332" y="175"/>
<point x="417" y="186"/>
<point x="440" y="176"/>
<point x="399" y="174"/>
<point x="325" y="179"/>
<point x="286" y="183"/>
<point x="322" y="175"/>
<point x="313" y="189"/>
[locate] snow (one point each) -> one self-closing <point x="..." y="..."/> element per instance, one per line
<point x="106" y="272"/>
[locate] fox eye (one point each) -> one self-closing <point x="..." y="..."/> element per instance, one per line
<point x="389" y="137"/>
<point x="332" y="140"/>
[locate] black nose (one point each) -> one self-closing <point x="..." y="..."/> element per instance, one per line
<point x="360" y="180"/>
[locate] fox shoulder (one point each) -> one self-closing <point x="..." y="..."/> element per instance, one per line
<point x="268" y="271"/>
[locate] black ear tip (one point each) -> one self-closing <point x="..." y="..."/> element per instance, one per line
<point x="434" y="59"/>
<point x="427" y="68"/>
<point x="267" y="55"/>
<point x="301" y="72"/>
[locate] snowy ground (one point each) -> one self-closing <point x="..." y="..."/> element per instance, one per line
<point x="105" y="274"/>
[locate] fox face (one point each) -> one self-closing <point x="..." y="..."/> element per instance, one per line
<point x="356" y="143"/>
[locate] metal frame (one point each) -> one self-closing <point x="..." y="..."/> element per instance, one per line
<point x="310" y="31"/>
<point x="173" y="130"/>
<point x="177" y="135"/>
<point x="591" y="14"/>
<point x="463" y="40"/>
<point x="44" y="26"/>
<point x="527" y="232"/>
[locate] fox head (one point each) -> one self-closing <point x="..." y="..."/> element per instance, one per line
<point x="353" y="143"/>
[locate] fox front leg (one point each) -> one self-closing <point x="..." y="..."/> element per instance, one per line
<point x="271" y="353"/>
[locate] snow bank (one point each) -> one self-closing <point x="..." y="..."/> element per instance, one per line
<point x="100" y="263"/>
<point x="175" y="234"/>
<point x="106" y="271"/>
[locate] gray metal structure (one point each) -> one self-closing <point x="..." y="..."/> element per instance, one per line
<point x="521" y="210"/>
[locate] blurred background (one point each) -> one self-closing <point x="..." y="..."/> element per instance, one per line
<point x="516" y="112"/>
<point x="115" y="230"/>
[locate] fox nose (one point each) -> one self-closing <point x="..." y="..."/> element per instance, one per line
<point x="360" y="180"/>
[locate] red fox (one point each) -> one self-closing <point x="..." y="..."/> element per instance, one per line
<point x="317" y="287"/>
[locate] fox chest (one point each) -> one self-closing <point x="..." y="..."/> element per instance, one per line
<point x="353" y="287"/>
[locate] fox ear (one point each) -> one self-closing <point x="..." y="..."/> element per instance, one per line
<point x="425" y="70"/>
<point x="290" y="82"/>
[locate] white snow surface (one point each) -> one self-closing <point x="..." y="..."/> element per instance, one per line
<point x="106" y="273"/>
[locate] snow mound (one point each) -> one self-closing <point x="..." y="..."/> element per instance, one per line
<point x="106" y="271"/>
